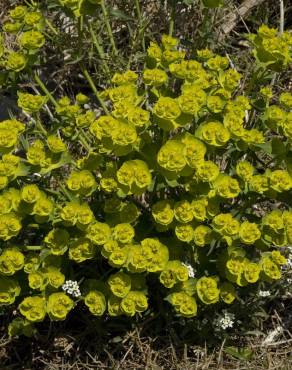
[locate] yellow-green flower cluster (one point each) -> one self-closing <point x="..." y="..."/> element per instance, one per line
<point x="165" y="186"/>
<point x="9" y="290"/>
<point x="80" y="7"/>
<point x="47" y="276"/>
<point x="277" y="228"/>
<point x="270" y="48"/>
<point x="30" y="103"/>
<point x="207" y="290"/>
<point x="57" y="306"/>
<point x="226" y="186"/>
<point x="48" y="155"/>
<point x="184" y="304"/>
<point x="96" y="302"/>
<point x="213" y="133"/>
<point x="82" y="182"/>
<point x="151" y="256"/>
<point x="10" y="168"/>
<point x="27" y="24"/>
<point x="166" y="54"/>
<point x="134" y="176"/>
<point x="180" y="153"/>
<point x="74" y="213"/>
<point x="10" y="131"/>
<point x="115" y="135"/>
<point x="242" y="271"/>
<point x="173" y="272"/>
<point x="33" y="308"/>
<point x="125" y="299"/>
<point x="10" y="225"/>
<point x="278" y="180"/>
<point x="11" y="260"/>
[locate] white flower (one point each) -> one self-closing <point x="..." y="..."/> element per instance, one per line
<point x="71" y="287"/>
<point x="190" y="269"/>
<point x="225" y="321"/>
<point x="264" y="293"/>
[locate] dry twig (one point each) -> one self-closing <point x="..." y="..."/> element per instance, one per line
<point x="238" y="14"/>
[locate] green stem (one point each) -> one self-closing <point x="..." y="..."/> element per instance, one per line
<point x="45" y="90"/>
<point x="33" y="247"/>
<point x="99" y="49"/>
<point x="141" y="30"/>
<point x="172" y="18"/>
<point x="84" y="142"/>
<point x="108" y="26"/>
<point x="51" y="27"/>
<point x="66" y="192"/>
<point x="94" y="89"/>
<point x="138" y="10"/>
<point x="41" y="127"/>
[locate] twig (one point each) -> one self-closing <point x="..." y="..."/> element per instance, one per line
<point x="282" y="17"/>
<point x="235" y="16"/>
<point x="272" y="336"/>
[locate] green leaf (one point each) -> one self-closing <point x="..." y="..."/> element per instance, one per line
<point x="266" y="147"/>
<point x="65" y="159"/>
<point x="22" y="170"/>
<point x="288" y="162"/>
<point x="244" y="354"/>
<point x="116" y="13"/>
<point x="278" y="147"/>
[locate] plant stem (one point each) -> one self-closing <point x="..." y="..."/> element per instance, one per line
<point x="65" y="192"/>
<point x="282" y="17"/>
<point x="45" y="90"/>
<point x="99" y="49"/>
<point x="141" y="30"/>
<point x="83" y="141"/>
<point x="94" y="89"/>
<point x="108" y="26"/>
<point x="172" y="18"/>
<point x="51" y="27"/>
<point x="138" y="9"/>
<point x="41" y="127"/>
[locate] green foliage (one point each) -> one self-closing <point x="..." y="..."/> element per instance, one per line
<point x="153" y="197"/>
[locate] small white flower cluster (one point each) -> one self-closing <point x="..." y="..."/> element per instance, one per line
<point x="190" y="269"/>
<point x="264" y="293"/>
<point x="71" y="287"/>
<point x="225" y="321"/>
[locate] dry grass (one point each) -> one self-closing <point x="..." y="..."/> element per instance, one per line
<point x="86" y="343"/>
<point x="135" y="352"/>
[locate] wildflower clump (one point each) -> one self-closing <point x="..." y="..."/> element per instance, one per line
<point x="154" y="199"/>
<point x="26" y="25"/>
